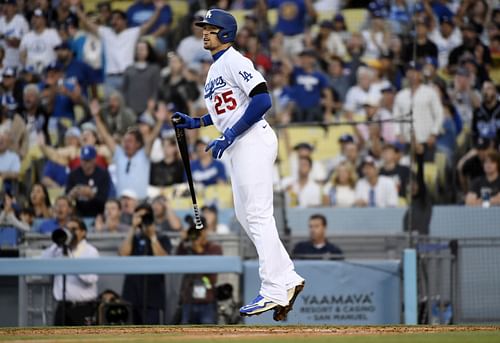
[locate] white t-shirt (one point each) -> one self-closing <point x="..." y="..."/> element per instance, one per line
<point x="40" y="48"/>
<point x="385" y="192"/>
<point x="10" y="162"/>
<point x="340" y="196"/>
<point x="445" y="45"/>
<point x="307" y="196"/>
<point x="119" y="48"/>
<point x="16" y="28"/>
<point x="229" y="82"/>
<point x="357" y="96"/>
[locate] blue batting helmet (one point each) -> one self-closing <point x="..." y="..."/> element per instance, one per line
<point x="223" y="20"/>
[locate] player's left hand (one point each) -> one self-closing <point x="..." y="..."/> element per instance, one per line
<point x="220" y="144"/>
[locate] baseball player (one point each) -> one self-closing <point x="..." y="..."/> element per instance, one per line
<point x="237" y="99"/>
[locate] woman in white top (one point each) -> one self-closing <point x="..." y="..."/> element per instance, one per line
<point x="339" y="192"/>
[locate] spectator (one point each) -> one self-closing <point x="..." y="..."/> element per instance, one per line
<point x="339" y="192"/>
<point x="471" y="46"/>
<point x="62" y="13"/>
<point x="119" y="41"/>
<point x="129" y="202"/>
<point x="376" y="36"/>
<point x="141" y="79"/>
<point x="422" y="102"/>
<point x="170" y="170"/>
<point x="131" y="157"/>
<point x="373" y="117"/>
<point x="61" y="214"/>
<point x="255" y="53"/>
<point x="470" y="165"/>
<point x="399" y="17"/>
<point x="13" y="27"/>
<point x="338" y="78"/>
<point x="486" y="118"/>
<point x="37" y="46"/>
<point x="485" y="190"/>
<point x="88" y="185"/>
<point x="81" y="289"/>
<point x="318" y="244"/>
<point x="8" y="214"/>
<point x="464" y="97"/>
<point x="212" y="224"/>
<point x="447" y="37"/>
<point x="349" y="152"/>
<point x="164" y="215"/>
<point x="10" y="163"/>
<point x="303" y="149"/>
<point x="391" y="168"/>
<point x="303" y="191"/>
<point x="110" y="222"/>
<point x="104" y="13"/>
<point x="358" y="94"/>
<point x="328" y="42"/>
<point x="190" y="48"/>
<point x="75" y="70"/>
<point x="146" y="293"/>
<point x="198" y="296"/>
<point x="39" y="201"/>
<point x="33" y="114"/>
<point x="141" y="11"/>
<point x="205" y="168"/>
<point x="115" y="114"/>
<point x="310" y="93"/>
<point x="374" y="190"/>
<point x="13" y="122"/>
<point x="340" y="27"/>
<point x="423" y="47"/>
<point x="175" y="87"/>
<point x="292" y="18"/>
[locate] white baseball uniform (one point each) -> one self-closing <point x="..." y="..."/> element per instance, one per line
<point x="230" y="80"/>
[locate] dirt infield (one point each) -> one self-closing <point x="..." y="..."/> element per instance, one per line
<point x="234" y="331"/>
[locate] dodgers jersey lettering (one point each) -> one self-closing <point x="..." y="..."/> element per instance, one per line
<point x="230" y="80"/>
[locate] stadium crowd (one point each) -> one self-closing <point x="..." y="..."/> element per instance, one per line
<point x="86" y="96"/>
<point x="86" y="100"/>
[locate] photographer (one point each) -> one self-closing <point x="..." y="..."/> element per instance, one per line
<point x="81" y="290"/>
<point x="199" y="305"/>
<point x="146" y="293"/>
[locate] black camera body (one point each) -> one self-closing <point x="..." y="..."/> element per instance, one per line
<point x="62" y="237"/>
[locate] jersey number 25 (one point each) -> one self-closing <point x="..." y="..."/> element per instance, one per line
<point x="224" y="101"/>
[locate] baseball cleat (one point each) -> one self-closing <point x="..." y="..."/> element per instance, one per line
<point x="257" y="306"/>
<point x="280" y="312"/>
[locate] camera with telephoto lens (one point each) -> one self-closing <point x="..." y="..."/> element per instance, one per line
<point x="62" y="237"/>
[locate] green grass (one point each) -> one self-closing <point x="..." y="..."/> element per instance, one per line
<point x="294" y="337"/>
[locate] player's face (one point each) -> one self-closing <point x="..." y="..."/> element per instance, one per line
<point x="210" y="40"/>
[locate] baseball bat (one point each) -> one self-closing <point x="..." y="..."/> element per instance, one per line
<point x="183" y="148"/>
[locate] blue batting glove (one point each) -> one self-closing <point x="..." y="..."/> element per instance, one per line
<point x="220" y="144"/>
<point x="183" y="121"/>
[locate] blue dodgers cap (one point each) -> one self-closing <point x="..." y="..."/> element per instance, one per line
<point x="339" y="17"/>
<point x="54" y="66"/>
<point x="346" y="138"/>
<point x="9" y="72"/>
<point x="87" y="153"/>
<point x="62" y="45"/>
<point x="432" y="60"/>
<point x="446" y="19"/>
<point x="415" y="66"/>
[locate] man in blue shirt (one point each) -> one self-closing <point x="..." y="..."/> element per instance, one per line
<point x="317" y="245"/>
<point x="205" y="169"/>
<point x="61" y="216"/>
<point x="292" y="15"/>
<point x="310" y="92"/>
<point x="73" y="68"/>
<point x="141" y="11"/>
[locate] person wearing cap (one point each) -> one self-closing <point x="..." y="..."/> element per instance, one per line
<point x="205" y="169"/>
<point x="304" y="149"/>
<point x="375" y="190"/>
<point x="471" y="46"/>
<point x="119" y="40"/>
<point x="81" y="289"/>
<point x="422" y="103"/>
<point x="464" y="97"/>
<point x="312" y="98"/>
<point x="88" y="185"/>
<point x="291" y="21"/>
<point x="486" y="118"/>
<point x="349" y="151"/>
<point x="423" y="46"/>
<point x="446" y="36"/>
<point x="37" y="46"/>
<point x="376" y="35"/>
<point x="170" y="170"/>
<point x="72" y="68"/>
<point x="128" y="201"/>
<point x="13" y="26"/>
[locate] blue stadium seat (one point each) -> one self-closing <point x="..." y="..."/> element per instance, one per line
<point x="8" y="237"/>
